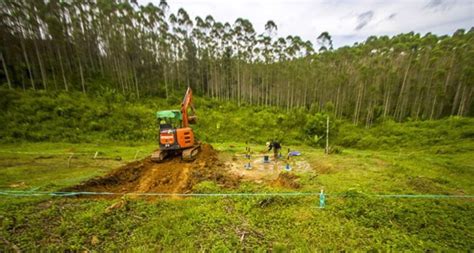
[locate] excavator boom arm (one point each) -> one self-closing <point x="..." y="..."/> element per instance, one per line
<point x="187" y="103"/>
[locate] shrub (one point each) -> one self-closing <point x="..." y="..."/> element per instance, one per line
<point x="108" y="115"/>
<point x="315" y="129"/>
<point x="368" y="141"/>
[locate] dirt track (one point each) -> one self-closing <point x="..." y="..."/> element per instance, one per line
<point x="170" y="176"/>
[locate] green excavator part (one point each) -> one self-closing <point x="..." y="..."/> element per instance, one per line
<point x="169" y="114"/>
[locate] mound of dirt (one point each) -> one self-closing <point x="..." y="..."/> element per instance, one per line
<point x="170" y="176"/>
<point x="287" y="180"/>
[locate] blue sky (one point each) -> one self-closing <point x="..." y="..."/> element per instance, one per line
<point x="348" y="21"/>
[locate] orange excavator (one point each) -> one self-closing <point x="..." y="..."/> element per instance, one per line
<point x="176" y="137"/>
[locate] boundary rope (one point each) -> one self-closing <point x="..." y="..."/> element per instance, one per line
<point x="242" y="194"/>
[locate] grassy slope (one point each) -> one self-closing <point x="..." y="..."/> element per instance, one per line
<point x="262" y="223"/>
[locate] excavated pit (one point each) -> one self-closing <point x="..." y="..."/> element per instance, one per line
<point x="287" y="180"/>
<point x="171" y="176"/>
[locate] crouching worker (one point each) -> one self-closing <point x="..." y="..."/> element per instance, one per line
<point x="275" y="145"/>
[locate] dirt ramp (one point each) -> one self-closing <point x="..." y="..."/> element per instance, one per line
<point x="170" y="176"/>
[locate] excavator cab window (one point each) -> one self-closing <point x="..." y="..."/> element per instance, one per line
<point x="168" y="123"/>
<point x="164" y="124"/>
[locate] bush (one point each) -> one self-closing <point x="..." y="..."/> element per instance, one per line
<point x="349" y="140"/>
<point x="73" y="117"/>
<point x="368" y="141"/>
<point x="390" y="134"/>
<point x="315" y="129"/>
<point x="108" y="115"/>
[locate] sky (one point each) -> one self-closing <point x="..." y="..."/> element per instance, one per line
<point x="347" y="21"/>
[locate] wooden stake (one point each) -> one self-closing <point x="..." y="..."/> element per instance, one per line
<point x="69" y="160"/>
<point x="327" y="135"/>
<point x="136" y="154"/>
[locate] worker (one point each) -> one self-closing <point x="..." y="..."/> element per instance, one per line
<point x="287" y="160"/>
<point x="275" y="145"/>
<point x="165" y="125"/>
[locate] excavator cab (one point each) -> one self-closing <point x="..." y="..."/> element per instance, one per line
<point x="169" y="119"/>
<point x="171" y="131"/>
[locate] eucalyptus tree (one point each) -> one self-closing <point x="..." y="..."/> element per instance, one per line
<point x="265" y="41"/>
<point x="325" y="41"/>
<point x="187" y="49"/>
<point x="217" y="45"/>
<point x="239" y="42"/>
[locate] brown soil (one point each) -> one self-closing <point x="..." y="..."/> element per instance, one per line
<point x="260" y="172"/>
<point x="287" y="180"/>
<point x="170" y="176"/>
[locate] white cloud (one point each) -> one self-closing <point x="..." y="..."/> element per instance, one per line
<point x="340" y="18"/>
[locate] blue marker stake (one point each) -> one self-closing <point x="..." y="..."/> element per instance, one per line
<point x="266" y="159"/>
<point x="248" y="166"/>
<point x="322" y="199"/>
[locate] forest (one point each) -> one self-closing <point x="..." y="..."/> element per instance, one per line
<point x="295" y="145"/>
<point x="145" y="50"/>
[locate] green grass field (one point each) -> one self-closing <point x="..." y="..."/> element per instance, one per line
<point x="353" y="217"/>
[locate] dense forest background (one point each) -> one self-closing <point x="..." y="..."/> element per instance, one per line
<point x="140" y="51"/>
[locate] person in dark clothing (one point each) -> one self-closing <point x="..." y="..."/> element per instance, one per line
<point x="275" y="145"/>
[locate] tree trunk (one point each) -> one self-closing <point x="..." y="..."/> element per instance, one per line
<point x="82" y="76"/>
<point x="358" y="104"/>
<point x="466" y="94"/>
<point x="446" y="83"/>
<point x="62" y="70"/>
<point x="166" y="81"/>
<point x="136" y="82"/>
<point x="28" y="66"/>
<point x="5" y="70"/>
<point x="401" y="98"/>
<point x="433" y="107"/>
<point x="288" y="96"/>
<point x="238" y="82"/>
<point x="42" y="72"/>
<point x="386" y="106"/>
<point x="456" y="98"/>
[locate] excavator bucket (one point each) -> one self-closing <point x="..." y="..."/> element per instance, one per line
<point x="192" y="119"/>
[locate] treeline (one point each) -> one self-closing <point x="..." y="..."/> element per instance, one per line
<point x="98" y="45"/>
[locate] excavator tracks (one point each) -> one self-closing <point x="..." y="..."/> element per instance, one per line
<point x="188" y="154"/>
<point x="191" y="153"/>
<point x="158" y="155"/>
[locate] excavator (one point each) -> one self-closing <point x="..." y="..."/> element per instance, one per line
<point x="176" y="137"/>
